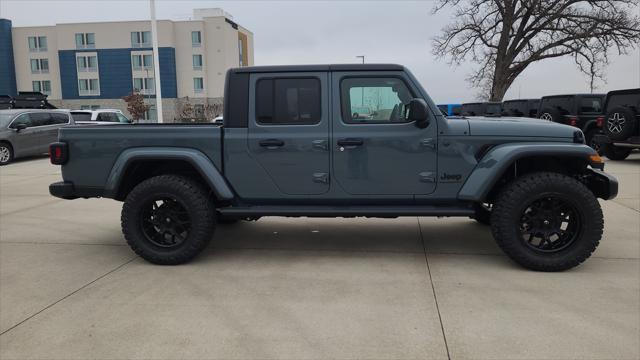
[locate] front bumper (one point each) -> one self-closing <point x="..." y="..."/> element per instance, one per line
<point x="603" y="185"/>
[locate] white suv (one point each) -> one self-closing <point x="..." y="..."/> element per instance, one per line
<point x="99" y="117"/>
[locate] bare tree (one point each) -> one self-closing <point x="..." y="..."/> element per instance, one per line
<point x="213" y="109"/>
<point x="505" y="36"/>
<point x="136" y="105"/>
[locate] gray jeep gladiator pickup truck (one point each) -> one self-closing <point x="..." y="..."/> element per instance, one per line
<point x="295" y="143"/>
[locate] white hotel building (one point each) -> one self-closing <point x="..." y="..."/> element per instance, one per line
<point x="89" y="65"/>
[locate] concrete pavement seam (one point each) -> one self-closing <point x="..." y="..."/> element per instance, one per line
<point x="433" y="289"/>
<point x="69" y="295"/>
<point x="30" y="207"/>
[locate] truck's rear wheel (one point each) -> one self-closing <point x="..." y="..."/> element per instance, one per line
<point x="168" y="219"/>
<point x="547" y="221"/>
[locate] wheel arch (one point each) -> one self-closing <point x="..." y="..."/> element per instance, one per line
<point x="505" y="162"/>
<point x="136" y="165"/>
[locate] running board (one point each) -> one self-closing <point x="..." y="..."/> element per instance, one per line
<point x="346" y="211"/>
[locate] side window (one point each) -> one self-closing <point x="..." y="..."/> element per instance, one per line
<point x="22" y="119"/>
<point x="590" y="105"/>
<point x="288" y="101"/>
<point x="40" y="119"/>
<point x="122" y="118"/>
<point x="105" y="116"/>
<point x="59" y="118"/>
<point x="374" y="100"/>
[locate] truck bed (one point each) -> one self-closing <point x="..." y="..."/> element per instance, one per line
<point x="94" y="149"/>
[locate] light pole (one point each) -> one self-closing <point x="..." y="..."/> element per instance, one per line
<point x="156" y="60"/>
<point x="362" y="57"/>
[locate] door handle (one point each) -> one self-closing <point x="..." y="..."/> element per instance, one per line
<point x="350" y="142"/>
<point x="429" y="143"/>
<point x="271" y="143"/>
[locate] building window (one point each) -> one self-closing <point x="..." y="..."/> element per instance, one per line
<point x="87" y="63"/>
<point x="89" y="107"/>
<point x="197" y="62"/>
<point x="43" y="86"/>
<point x="146" y="86"/>
<point x="198" y="85"/>
<point x="88" y="87"/>
<point x="85" y="40"/>
<point x="241" y="52"/>
<point x="37" y="43"/>
<point x="141" y="62"/>
<point x="196" y="38"/>
<point x="141" y="39"/>
<point x="151" y="114"/>
<point x="288" y="101"/>
<point x="39" y="66"/>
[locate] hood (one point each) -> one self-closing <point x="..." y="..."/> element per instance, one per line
<point x="512" y="126"/>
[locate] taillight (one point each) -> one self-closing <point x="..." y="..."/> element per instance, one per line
<point x="573" y="121"/>
<point x="58" y="153"/>
<point x="599" y="121"/>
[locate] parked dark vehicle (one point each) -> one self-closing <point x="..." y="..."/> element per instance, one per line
<point x="622" y="124"/>
<point x="583" y="111"/>
<point x="291" y="146"/>
<point x="450" y="109"/>
<point x="28" y="132"/>
<point x="521" y="108"/>
<point x="6" y="102"/>
<point x="491" y="109"/>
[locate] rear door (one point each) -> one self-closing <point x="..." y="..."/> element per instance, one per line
<point x="384" y="153"/>
<point x="288" y="130"/>
<point x="56" y="121"/>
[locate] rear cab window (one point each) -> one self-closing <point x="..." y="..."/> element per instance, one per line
<point x="562" y="103"/>
<point x="288" y="101"/>
<point x="591" y="105"/>
<point x="81" y="116"/>
<point x="374" y="100"/>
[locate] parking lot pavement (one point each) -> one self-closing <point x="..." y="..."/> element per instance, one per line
<point x="305" y="288"/>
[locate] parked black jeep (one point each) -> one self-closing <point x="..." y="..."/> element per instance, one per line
<point x="521" y="108"/>
<point x="491" y="109"/>
<point x="622" y="126"/>
<point x="584" y="111"/>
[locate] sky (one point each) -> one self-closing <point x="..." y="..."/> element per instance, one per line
<point x="317" y="32"/>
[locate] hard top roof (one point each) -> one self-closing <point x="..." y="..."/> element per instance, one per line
<point x="326" y="67"/>
<point x="566" y="95"/>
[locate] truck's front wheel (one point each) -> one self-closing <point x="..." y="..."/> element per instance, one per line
<point x="168" y="219"/>
<point x="547" y="221"/>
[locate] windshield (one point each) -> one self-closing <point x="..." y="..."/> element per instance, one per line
<point x="81" y="116"/>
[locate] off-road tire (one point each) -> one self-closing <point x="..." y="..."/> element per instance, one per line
<point x="513" y="201"/>
<point x="620" y="123"/>
<point x="192" y="196"/>
<point x="551" y="114"/>
<point x="6" y="153"/>
<point x="482" y="215"/>
<point x="615" y="152"/>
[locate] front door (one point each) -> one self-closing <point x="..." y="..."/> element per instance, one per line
<point x="26" y="142"/>
<point x="376" y="149"/>
<point x="289" y="130"/>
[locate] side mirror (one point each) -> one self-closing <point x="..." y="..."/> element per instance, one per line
<point x="419" y="112"/>
<point x="20" y="127"/>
